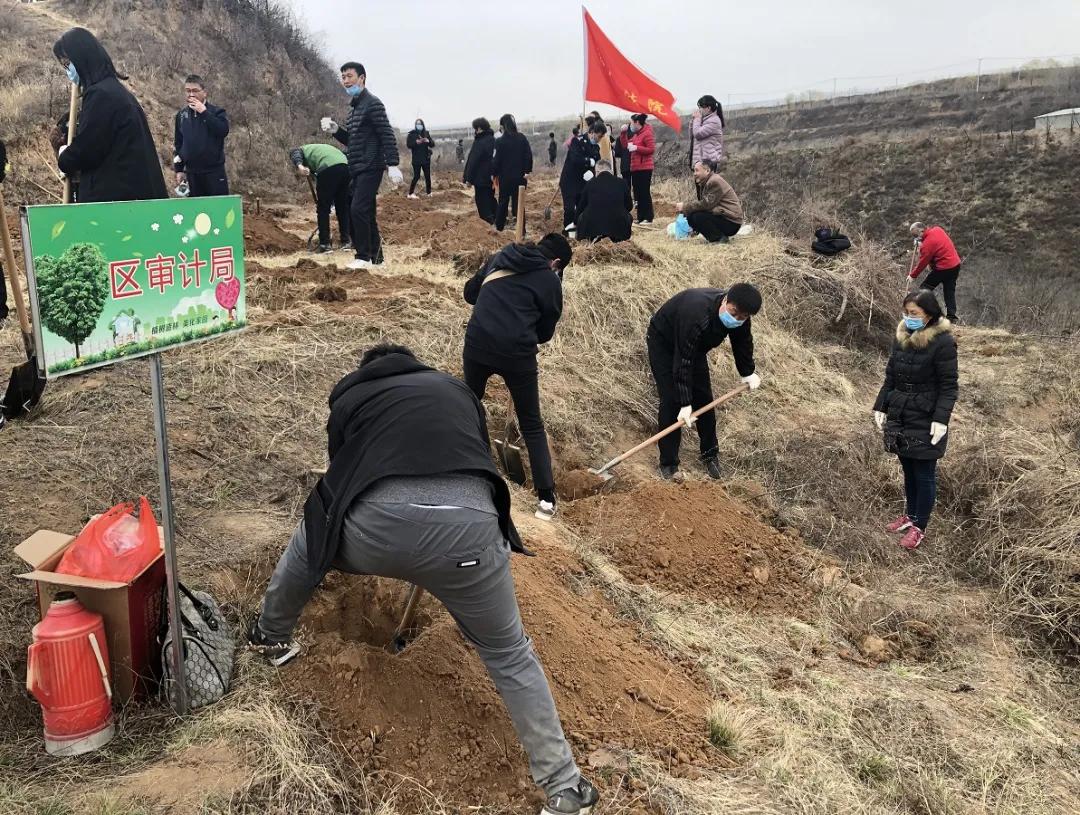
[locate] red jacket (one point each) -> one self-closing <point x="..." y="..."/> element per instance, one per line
<point x="642" y="158"/>
<point x="937" y="251"/>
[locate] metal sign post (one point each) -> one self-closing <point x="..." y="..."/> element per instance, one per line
<point x="172" y="579"/>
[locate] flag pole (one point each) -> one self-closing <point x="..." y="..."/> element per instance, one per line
<point x="585" y="63"/>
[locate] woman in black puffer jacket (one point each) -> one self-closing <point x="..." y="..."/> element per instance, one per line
<point x="914" y="406"/>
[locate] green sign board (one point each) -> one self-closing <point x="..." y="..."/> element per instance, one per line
<point x="122" y="280"/>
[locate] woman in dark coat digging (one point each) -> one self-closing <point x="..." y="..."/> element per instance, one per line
<point x="915" y="404"/>
<point x="113" y="150"/>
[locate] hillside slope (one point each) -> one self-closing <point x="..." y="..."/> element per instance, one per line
<point x="259" y="65"/>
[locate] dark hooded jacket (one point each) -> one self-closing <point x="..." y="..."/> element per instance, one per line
<point x="513" y="159"/>
<point x="689" y="324"/>
<point x="113" y="150"/>
<point x="514" y="314"/>
<point x="396" y="417"/>
<point x="478" y="165"/>
<point x="920" y="388"/>
<point x="604" y="209"/>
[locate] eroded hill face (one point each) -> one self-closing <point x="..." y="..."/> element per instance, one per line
<point x="257" y="62"/>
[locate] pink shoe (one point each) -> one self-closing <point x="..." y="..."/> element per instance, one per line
<point x="913" y="538"/>
<point x="899" y="525"/>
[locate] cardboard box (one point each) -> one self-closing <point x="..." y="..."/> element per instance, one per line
<point x="132" y="611"/>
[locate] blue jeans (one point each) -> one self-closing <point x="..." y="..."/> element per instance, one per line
<point x="920" y="489"/>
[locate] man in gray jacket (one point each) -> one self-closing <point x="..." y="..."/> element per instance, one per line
<point x="371" y="147"/>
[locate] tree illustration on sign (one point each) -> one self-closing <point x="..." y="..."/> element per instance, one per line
<point x="72" y="290"/>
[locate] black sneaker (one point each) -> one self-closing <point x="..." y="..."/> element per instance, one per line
<point x="669" y="471"/>
<point x="324" y="248"/>
<point x="276" y="653"/>
<point x="712" y="467"/>
<point x="578" y="800"/>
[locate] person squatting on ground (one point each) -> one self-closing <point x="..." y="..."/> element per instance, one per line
<point x="641" y="145"/>
<point x="604" y="207"/>
<point x="412" y="493"/>
<point x="478" y="173"/>
<point x="716" y="214"/>
<point x="331" y="171"/>
<point x="420" y="143"/>
<point x="199" y="135"/>
<point x="680" y="335"/>
<point x="915" y="404"/>
<point x="517" y="301"/>
<point x="113" y="151"/>
<point x="371" y="147"/>
<point x="511" y="165"/>
<point x="707" y="131"/>
<point x="936" y="250"/>
<point x="582" y="153"/>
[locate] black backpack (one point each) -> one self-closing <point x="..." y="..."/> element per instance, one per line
<point x="828" y="241"/>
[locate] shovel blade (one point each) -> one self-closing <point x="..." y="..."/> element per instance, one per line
<point x="24" y="389"/>
<point x="511" y="460"/>
<point x="603" y="474"/>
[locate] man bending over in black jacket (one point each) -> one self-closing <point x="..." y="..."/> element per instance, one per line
<point x="517" y="302"/>
<point x="680" y="334"/>
<point x="412" y="493"/>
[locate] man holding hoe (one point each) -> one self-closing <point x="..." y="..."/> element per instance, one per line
<point x="412" y="493"/>
<point x="680" y="335"/>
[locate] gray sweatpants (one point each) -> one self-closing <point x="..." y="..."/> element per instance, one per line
<point x="459" y="556"/>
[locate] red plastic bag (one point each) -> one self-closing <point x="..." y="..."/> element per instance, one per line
<point x="114" y="546"/>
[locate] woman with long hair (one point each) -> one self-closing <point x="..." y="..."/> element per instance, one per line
<point x="914" y="407"/>
<point x="113" y="151"/>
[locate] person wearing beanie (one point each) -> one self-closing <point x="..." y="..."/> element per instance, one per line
<point x="517" y="302"/>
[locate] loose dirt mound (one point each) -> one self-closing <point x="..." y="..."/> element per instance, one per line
<point x="608" y="252"/>
<point x="264" y="236"/>
<point x="694" y="539"/>
<point x="464" y="235"/>
<point x="430" y="714"/>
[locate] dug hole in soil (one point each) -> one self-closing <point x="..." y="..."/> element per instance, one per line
<point x="430" y="717"/>
<point x="264" y="236"/>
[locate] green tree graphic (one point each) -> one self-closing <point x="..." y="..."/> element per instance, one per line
<point x="72" y="290"/>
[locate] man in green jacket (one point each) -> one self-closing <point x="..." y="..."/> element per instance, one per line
<point x="717" y="213"/>
<point x="331" y="171"/>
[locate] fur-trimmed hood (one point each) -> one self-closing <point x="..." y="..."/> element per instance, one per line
<point x="924" y="336"/>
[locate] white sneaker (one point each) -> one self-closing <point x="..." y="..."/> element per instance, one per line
<point x="414" y="196"/>
<point x="545" y="511"/>
<point x="356" y="263"/>
<point x="645" y="223"/>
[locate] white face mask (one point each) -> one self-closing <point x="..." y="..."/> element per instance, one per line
<point x="420" y="126"/>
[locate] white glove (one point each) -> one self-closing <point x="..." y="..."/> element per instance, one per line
<point x="592" y="162"/>
<point x="328" y="125"/>
<point x="588" y="175"/>
<point x="754" y="381"/>
<point x="879" y="419"/>
<point x="937" y="431"/>
<point x="303" y="169"/>
<point x="685" y="417"/>
<point x="395" y="175"/>
<point x="631" y="147"/>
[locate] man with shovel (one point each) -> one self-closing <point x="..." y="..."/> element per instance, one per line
<point x="680" y="335"/>
<point x="517" y="302"/>
<point x="412" y="493"/>
<point x="331" y="171"/>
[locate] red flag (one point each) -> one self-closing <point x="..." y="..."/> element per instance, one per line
<point x="612" y="78"/>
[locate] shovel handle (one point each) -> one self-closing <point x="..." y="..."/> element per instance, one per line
<point x="16" y="284"/>
<point x="672" y="428"/>
<point x="73" y="116"/>
<point x="519" y="228"/>
<point x="411" y="605"/>
<point x="311" y="186"/>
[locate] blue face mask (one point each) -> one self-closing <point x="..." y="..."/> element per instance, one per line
<point x="728" y="320"/>
<point x="354" y="90"/>
<point x="73" y="75"/>
<point x="914" y="323"/>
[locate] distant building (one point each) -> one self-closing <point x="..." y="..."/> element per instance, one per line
<point x="1068" y="119"/>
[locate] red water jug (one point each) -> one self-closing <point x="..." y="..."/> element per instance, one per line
<point x="67" y="671"/>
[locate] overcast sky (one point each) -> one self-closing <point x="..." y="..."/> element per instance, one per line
<point x="451" y="60"/>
